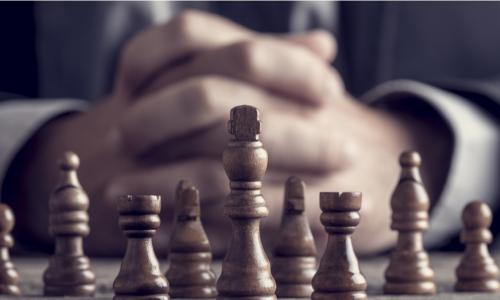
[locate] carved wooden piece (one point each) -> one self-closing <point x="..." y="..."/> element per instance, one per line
<point x="338" y="276"/>
<point x="246" y="273"/>
<point x="409" y="271"/>
<point x="477" y="271"/>
<point x="294" y="261"/>
<point x="140" y="276"/>
<point x="189" y="274"/>
<point x="69" y="272"/>
<point x="9" y="278"/>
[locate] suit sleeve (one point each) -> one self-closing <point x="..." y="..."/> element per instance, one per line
<point x="474" y="170"/>
<point x="21" y="118"/>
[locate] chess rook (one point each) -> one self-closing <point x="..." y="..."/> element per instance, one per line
<point x="9" y="278"/>
<point x="140" y="276"/>
<point x="409" y="271"/>
<point x="189" y="273"/>
<point x="69" y="273"/>
<point x="477" y="271"/>
<point x="338" y="276"/>
<point x="246" y="273"/>
<point x="294" y="261"/>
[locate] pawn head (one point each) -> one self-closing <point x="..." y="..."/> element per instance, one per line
<point x="409" y="159"/>
<point x="477" y="214"/>
<point x="6" y="219"/>
<point x="69" y="161"/>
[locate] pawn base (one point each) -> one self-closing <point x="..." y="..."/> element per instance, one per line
<point x="410" y="288"/>
<point x="339" y="296"/>
<point x="479" y="286"/>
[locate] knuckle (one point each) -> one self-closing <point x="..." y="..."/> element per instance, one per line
<point x="198" y="95"/>
<point x="184" y="25"/>
<point x="248" y="57"/>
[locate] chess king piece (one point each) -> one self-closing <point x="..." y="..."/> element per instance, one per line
<point x="477" y="271"/>
<point x="189" y="273"/>
<point x="246" y="273"/>
<point x="69" y="273"/>
<point x="409" y="271"/>
<point x="9" y="278"/>
<point x="294" y="261"/>
<point x="140" y="276"/>
<point x="338" y="276"/>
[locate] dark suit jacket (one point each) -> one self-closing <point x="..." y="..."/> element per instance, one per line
<point x="452" y="44"/>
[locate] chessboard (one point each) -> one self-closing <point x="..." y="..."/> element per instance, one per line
<point x="31" y="269"/>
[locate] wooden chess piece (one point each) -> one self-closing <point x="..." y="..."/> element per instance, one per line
<point x="294" y="261"/>
<point x="69" y="273"/>
<point x="409" y="271"/>
<point x="189" y="274"/>
<point x="338" y="276"/>
<point x="477" y="271"/>
<point x="246" y="273"/>
<point x="9" y="278"/>
<point x="140" y="276"/>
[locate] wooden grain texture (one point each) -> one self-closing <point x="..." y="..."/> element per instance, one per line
<point x="69" y="272"/>
<point x="409" y="271"/>
<point x="189" y="274"/>
<point x="31" y="268"/>
<point x="339" y="276"/>
<point x="294" y="260"/>
<point x="246" y="272"/>
<point x="140" y="276"/>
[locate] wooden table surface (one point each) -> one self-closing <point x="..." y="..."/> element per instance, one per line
<point x="30" y="270"/>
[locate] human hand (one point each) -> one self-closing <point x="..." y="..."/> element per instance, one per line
<point x="163" y="120"/>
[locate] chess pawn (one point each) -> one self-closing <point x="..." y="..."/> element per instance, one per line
<point x="69" y="273"/>
<point x="409" y="270"/>
<point x="189" y="273"/>
<point x="338" y="276"/>
<point x="294" y="262"/>
<point x="140" y="276"/>
<point x="9" y="278"/>
<point x="477" y="271"/>
<point x="246" y="273"/>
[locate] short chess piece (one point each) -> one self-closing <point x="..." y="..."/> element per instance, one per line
<point x="9" y="278"/>
<point x="189" y="273"/>
<point x="69" y="272"/>
<point x="409" y="271"/>
<point x="294" y="262"/>
<point x="338" y="276"/>
<point x="140" y="276"/>
<point x="246" y="272"/>
<point x="477" y="271"/>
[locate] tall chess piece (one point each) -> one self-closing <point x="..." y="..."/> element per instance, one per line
<point x="189" y="274"/>
<point x="9" y="278"/>
<point x="246" y="273"/>
<point x="294" y="261"/>
<point x="69" y="273"/>
<point x="409" y="271"/>
<point x="477" y="271"/>
<point x="338" y="276"/>
<point x="140" y="276"/>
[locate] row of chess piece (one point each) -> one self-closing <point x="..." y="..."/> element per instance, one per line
<point x="246" y="270"/>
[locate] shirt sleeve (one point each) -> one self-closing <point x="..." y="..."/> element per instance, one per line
<point x="21" y="118"/>
<point x="475" y="158"/>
